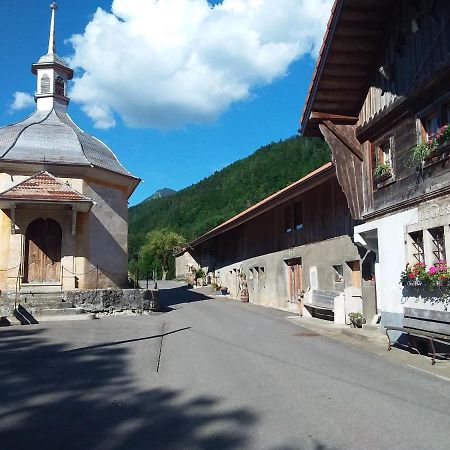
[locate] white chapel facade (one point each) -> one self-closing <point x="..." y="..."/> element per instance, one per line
<point x="63" y="195"/>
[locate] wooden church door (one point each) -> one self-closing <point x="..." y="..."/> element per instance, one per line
<point x="43" y="251"/>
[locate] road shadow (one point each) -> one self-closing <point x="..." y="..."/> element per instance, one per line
<point x="54" y="398"/>
<point x="178" y="295"/>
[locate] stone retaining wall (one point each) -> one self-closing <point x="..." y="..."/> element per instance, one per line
<point x="114" y="300"/>
<point x="107" y="301"/>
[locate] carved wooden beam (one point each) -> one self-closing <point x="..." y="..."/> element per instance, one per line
<point x="347" y="136"/>
<point x="348" y="164"/>
<point x="320" y="116"/>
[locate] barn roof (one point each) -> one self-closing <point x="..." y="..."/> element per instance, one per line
<point x="346" y="61"/>
<point x="294" y="189"/>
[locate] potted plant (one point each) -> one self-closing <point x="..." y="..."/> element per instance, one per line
<point x="357" y="319"/>
<point x="215" y="287"/>
<point x="433" y="148"/>
<point x="382" y="172"/>
<point x="199" y="276"/>
<point x="422" y="152"/>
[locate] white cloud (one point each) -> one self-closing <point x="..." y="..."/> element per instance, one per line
<point x="22" y="100"/>
<point x="166" y="63"/>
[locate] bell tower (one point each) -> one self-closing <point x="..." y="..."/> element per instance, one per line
<point x="52" y="74"/>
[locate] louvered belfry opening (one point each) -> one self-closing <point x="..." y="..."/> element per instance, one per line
<point x="45" y="84"/>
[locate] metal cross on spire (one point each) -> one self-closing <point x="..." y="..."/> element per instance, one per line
<point x="51" y="40"/>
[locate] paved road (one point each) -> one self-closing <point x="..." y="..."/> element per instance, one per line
<point x="208" y="374"/>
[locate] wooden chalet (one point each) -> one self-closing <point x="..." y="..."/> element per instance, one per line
<point x="380" y="97"/>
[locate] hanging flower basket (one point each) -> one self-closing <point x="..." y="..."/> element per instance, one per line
<point x="428" y="283"/>
<point x="428" y="152"/>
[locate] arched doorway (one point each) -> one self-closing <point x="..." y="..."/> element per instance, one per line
<point x="43" y="251"/>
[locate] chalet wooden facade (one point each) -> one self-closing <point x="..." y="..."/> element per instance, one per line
<point x="297" y="240"/>
<point x="380" y="96"/>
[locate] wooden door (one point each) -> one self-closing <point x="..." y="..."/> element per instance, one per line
<point x="43" y="251"/>
<point x="355" y="268"/>
<point x="295" y="282"/>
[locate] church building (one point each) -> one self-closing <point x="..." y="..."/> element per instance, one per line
<point x="63" y="195"/>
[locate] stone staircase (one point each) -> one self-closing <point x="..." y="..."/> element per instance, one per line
<point x="39" y="304"/>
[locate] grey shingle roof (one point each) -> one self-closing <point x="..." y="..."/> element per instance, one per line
<point x="52" y="137"/>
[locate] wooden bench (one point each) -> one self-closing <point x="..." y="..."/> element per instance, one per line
<point x="424" y="323"/>
<point x="322" y="303"/>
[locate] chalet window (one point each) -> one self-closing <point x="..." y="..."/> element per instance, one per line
<point x="288" y="219"/>
<point x="447" y="113"/>
<point x="382" y="153"/>
<point x="382" y="163"/>
<point x="429" y="125"/>
<point x="438" y="244"/>
<point x="368" y="266"/>
<point x="417" y="248"/>
<point x="431" y="120"/>
<point x="385" y="153"/>
<point x="260" y="277"/>
<point x="338" y="273"/>
<point x="298" y="216"/>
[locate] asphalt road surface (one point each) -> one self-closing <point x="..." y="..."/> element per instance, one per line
<point x="208" y="374"/>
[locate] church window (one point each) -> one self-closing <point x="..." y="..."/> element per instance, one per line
<point x="45" y="84"/>
<point x="59" y="86"/>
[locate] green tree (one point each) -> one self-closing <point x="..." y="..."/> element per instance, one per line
<point x="159" y="246"/>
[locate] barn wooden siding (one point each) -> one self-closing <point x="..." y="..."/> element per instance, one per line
<point x="325" y="215"/>
<point x="411" y="55"/>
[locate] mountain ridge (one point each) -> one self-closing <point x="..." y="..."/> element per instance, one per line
<point x="202" y="206"/>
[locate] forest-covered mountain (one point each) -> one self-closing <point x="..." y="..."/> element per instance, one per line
<point x="204" y="205"/>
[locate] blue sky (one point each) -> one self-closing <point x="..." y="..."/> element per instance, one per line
<point x="163" y="152"/>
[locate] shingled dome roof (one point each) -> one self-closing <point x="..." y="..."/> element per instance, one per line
<point x="51" y="137"/>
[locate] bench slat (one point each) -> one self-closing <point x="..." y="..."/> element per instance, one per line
<point x="436" y="336"/>
<point x="323" y="299"/>
<point x="441" y="316"/>
<point x="427" y="325"/>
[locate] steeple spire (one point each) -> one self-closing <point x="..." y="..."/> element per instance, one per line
<point x="51" y="39"/>
<point x="52" y="72"/>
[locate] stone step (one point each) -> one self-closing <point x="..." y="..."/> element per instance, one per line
<point x="55" y="318"/>
<point x="56" y="311"/>
<point x="37" y="304"/>
<point x="46" y="303"/>
<point x="28" y="320"/>
<point x="40" y="294"/>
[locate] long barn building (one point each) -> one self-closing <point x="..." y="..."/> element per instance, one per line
<point x="294" y="245"/>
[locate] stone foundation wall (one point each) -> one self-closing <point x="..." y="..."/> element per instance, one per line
<point x="107" y="301"/>
<point x="113" y="300"/>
